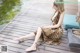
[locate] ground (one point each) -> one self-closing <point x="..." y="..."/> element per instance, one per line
<point x="36" y="13"/>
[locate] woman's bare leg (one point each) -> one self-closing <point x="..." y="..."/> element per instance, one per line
<point x="25" y="37"/>
<point x="33" y="47"/>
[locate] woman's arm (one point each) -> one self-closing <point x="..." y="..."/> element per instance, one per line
<point x="55" y="14"/>
<point x="58" y="24"/>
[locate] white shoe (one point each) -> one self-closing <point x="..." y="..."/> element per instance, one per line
<point x="20" y="40"/>
<point x="31" y="49"/>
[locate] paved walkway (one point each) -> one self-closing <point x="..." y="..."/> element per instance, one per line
<point x="36" y="14"/>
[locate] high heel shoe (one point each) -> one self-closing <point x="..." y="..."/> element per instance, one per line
<point x="32" y="50"/>
<point x="20" y="40"/>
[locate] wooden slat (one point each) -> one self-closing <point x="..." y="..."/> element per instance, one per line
<point x="60" y="51"/>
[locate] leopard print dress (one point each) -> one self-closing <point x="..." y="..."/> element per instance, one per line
<point x="50" y="35"/>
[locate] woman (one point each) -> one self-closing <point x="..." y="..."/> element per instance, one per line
<point x="49" y="34"/>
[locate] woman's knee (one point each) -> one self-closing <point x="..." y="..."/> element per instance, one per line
<point x="39" y="28"/>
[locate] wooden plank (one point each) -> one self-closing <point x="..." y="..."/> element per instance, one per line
<point x="60" y="51"/>
<point x="19" y="29"/>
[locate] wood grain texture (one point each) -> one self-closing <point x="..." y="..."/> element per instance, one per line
<point x="20" y="27"/>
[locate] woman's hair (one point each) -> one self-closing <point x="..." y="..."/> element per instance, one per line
<point x="60" y="6"/>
